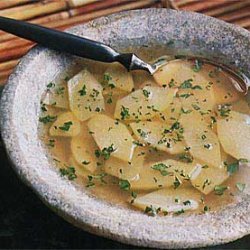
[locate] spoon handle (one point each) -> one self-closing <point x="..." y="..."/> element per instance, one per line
<point x="60" y="41"/>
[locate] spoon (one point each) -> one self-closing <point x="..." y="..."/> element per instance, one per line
<point x="83" y="47"/>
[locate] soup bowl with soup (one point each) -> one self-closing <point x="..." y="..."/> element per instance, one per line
<point x="157" y="161"/>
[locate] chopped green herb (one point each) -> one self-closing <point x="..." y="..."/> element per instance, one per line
<point x="162" y="168"/>
<point x="186" y="95"/>
<point x="66" y="78"/>
<point x="83" y="91"/>
<point x="203" y="137"/>
<point x="186" y="84"/>
<point x="232" y="167"/>
<point x="187" y="202"/>
<point x="195" y="106"/>
<point x="50" y="85"/>
<point x="105" y="152"/>
<point x="186" y="157"/>
<point x="47" y="119"/>
<point x="242" y="160"/>
<point x="85" y="162"/>
<point x="172" y="84"/>
<point x="70" y="172"/>
<point x="124" y="113"/>
<point x="99" y="177"/>
<point x="124" y="185"/>
<point x="107" y="80"/>
<point x="60" y="90"/>
<point x="179" y="212"/>
<point x="224" y="110"/>
<point x="66" y="126"/>
<point x="152" y="211"/>
<point x="197" y="65"/>
<point x="51" y="143"/>
<point x="206" y="208"/>
<point x="43" y="107"/>
<point x="146" y="93"/>
<point x="176" y="183"/>
<point x="207" y="182"/>
<point x="142" y="133"/>
<point x="196" y="87"/>
<point x="109" y="100"/>
<point x="134" y="195"/>
<point x="220" y="189"/>
<point x="208" y="146"/>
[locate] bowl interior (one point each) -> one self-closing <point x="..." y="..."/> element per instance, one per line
<point x="178" y="32"/>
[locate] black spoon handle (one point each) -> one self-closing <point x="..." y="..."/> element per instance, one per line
<point x="60" y="41"/>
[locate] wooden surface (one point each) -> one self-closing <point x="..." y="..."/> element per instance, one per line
<point x="25" y="223"/>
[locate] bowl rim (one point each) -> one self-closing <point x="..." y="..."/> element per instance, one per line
<point x="125" y="226"/>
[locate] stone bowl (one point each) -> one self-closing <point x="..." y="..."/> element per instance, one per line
<point x="185" y="32"/>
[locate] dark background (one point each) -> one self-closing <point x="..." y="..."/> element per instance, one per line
<point x="25" y="222"/>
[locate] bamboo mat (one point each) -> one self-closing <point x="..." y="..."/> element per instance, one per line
<point x="62" y="14"/>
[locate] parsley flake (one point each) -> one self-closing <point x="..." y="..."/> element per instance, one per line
<point x="66" y="126"/>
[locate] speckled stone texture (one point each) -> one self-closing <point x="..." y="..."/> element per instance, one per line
<point x="192" y="34"/>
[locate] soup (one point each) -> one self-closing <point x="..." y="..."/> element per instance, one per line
<point x="175" y="143"/>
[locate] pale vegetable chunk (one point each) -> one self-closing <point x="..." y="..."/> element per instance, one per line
<point x="83" y="149"/>
<point x="201" y="101"/>
<point x="66" y="125"/>
<point x="144" y="103"/>
<point x="126" y="170"/>
<point x="57" y="95"/>
<point x="222" y="84"/>
<point x="173" y="111"/>
<point x="85" y="95"/>
<point x="170" y="200"/>
<point x="81" y="172"/>
<point x="168" y="173"/>
<point x="234" y="135"/>
<point x="165" y="137"/>
<point x="205" y="179"/>
<point x="203" y="142"/>
<point x="117" y="76"/>
<point x="175" y="72"/>
<point x="113" y="136"/>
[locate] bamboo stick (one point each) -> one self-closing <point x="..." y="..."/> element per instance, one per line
<point x="19" y="8"/>
<point x="5" y="37"/>
<point x="14" y="43"/>
<point x="104" y="4"/>
<point x="17" y="52"/>
<point x="63" y="15"/>
<point x="232" y="16"/>
<point x="244" y="22"/>
<point x="203" y="5"/>
<point x="228" y="8"/>
<point x="10" y="3"/>
<point x="77" y="3"/>
<point x="13" y="53"/>
<point x="34" y="10"/>
<point x="104" y="12"/>
<point x="5" y="73"/>
<point x="8" y="65"/>
<point x="181" y="3"/>
<point x="51" y="18"/>
<point x="169" y="4"/>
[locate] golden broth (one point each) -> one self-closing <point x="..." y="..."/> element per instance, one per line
<point x="149" y="143"/>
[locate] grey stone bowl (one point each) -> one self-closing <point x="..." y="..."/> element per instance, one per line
<point x="188" y="33"/>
